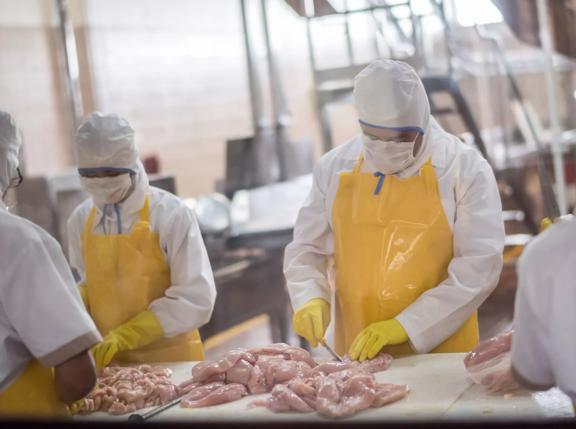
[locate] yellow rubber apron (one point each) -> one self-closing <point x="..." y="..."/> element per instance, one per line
<point x="391" y="245"/>
<point x="124" y="274"/>
<point x="33" y="395"/>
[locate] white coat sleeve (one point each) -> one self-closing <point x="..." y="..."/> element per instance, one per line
<point x="188" y="303"/>
<point x="44" y="306"/>
<point x="473" y="272"/>
<point x="307" y="257"/>
<point x="75" y="227"/>
<point x="530" y="341"/>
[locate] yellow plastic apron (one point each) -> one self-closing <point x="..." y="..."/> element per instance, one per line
<point x="124" y="274"/>
<point x="33" y="395"/>
<point x="389" y="249"/>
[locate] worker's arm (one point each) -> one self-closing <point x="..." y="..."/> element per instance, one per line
<point x="45" y="310"/>
<point x="306" y="258"/>
<point x="531" y="341"/>
<point x="478" y="241"/>
<point x="188" y="303"/>
<point x="75" y="377"/>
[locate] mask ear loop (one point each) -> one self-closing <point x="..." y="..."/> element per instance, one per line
<point x="14" y="183"/>
<point x="117" y="205"/>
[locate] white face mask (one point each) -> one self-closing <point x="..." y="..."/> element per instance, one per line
<point x="388" y="157"/>
<point x="108" y="190"/>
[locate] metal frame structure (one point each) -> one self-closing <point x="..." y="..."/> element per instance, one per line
<point x="334" y="85"/>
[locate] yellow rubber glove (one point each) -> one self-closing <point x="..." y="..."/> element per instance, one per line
<point x="371" y="340"/>
<point x="311" y="320"/>
<point x="75" y="407"/>
<point x="545" y="224"/>
<point x="137" y="332"/>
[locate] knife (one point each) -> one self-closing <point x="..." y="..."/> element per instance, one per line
<point x="155" y="411"/>
<point x="332" y="352"/>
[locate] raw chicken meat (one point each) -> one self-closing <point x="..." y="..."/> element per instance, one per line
<point x="326" y="368"/>
<point x="303" y="387"/>
<point x="380" y="363"/>
<point x="334" y="389"/>
<point x="489" y="364"/>
<point x="489" y="349"/>
<point x="121" y="390"/>
<point x="200" y="391"/>
<point x="220" y="395"/>
<point x="388" y="393"/>
<point x="282" y="398"/>
<point x="286" y="351"/>
<point x="240" y="372"/>
<point x="337" y="395"/>
<point x="347" y="398"/>
<point x="277" y="370"/>
<point x="295" y="382"/>
<point x="207" y="370"/>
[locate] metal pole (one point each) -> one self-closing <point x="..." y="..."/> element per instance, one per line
<point x="253" y="79"/>
<point x="71" y="65"/>
<point x="558" y="160"/>
<point x="548" y="197"/>
<point x="310" y="12"/>
<point x="349" y="46"/>
<point x="279" y="104"/>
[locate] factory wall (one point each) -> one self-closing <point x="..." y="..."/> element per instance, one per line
<point x="176" y="70"/>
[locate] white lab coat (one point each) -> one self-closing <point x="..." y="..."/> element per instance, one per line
<point x="41" y="313"/>
<point x="544" y="344"/>
<point x="473" y="208"/>
<point x="189" y="301"/>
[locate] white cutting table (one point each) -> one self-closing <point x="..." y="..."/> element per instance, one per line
<point x="439" y="390"/>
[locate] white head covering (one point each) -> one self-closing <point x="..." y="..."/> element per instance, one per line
<point x="10" y="142"/>
<point x="389" y="94"/>
<point x="106" y="140"/>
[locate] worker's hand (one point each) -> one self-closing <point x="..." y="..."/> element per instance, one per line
<point x="311" y="320"/>
<point x="371" y="340"/>
<point x="139" y="331"/>
<point x="500" y="380"/>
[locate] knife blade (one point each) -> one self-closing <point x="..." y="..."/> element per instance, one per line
<point x="332" y="352"/>
<point x="146" y="416"/>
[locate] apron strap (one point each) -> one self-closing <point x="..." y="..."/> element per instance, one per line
<point x="89" y="225"/>
<point x="144" y="216"/>
<point x="429" y="175"/>
<point x="426" y="171"/>
<point x="145" y="211"/>
<point x="358" y="165"/>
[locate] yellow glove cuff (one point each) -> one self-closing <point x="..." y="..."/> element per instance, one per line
<point x="139" y="331"/>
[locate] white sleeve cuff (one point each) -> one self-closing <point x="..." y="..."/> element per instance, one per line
<point x="416" y="341"/>
<point x="305" y="294"/>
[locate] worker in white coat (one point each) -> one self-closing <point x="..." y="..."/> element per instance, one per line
<point x="45" y="332"/>
<point x="543" y="343"/>
<point x="407" y="221"/>
<point x="144" y="271"/>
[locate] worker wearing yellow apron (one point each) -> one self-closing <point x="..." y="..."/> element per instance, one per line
<point x="402" y="232"/>
<point x="43" y="324"/>
<point x="145" y="274"/>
